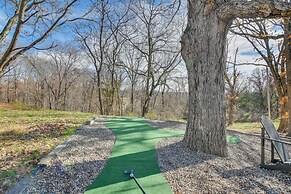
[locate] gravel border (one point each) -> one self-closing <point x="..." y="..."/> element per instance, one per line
<point x="193" y="172"/>
<point x="74" y="164"/>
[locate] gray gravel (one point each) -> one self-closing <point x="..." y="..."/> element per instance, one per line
<point x="193" y="172"/>
<point x="77" y="164"/>
<point x="170" y="125"/>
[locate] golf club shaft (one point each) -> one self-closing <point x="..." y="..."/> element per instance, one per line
<point x="139" y="185"/>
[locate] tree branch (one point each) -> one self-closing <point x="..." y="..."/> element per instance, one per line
<point x="251" y="9"/>
<point x="7" y="59"/>
<point x="16" y="33"/>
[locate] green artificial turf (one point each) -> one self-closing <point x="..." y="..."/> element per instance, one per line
<point x="232" y="139"/>
<point x="134" y="149"/>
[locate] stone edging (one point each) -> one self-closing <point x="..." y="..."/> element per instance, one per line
<point x="23" y="184"/>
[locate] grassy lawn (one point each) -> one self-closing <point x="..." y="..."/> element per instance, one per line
<point x="27" y="134"/>
<point x="248" y="127"/>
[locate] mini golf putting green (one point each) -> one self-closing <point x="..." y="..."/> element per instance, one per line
<point x="135" y="149"/>
<point x="232" y="139"/>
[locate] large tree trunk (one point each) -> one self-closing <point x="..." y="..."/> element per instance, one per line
<point x="288" y="66"/>
<point x="203" y="50"/>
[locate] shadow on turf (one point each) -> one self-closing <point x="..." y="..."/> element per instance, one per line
<point x="139" y="162"/>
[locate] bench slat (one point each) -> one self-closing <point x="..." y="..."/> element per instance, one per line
<point x="272" y="133"/>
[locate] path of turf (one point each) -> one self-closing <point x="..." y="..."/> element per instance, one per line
<point x="134" y="149"/>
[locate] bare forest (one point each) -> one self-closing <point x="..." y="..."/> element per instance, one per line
<point x="124" y="58"/>
<point x="118" y="59"/>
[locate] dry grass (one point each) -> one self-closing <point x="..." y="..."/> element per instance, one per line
<point x="247" y="127"/>
<point x="27" y="134"/>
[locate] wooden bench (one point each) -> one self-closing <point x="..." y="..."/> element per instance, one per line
<point x="284" y="162"/>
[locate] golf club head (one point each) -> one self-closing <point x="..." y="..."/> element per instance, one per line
<point x="128" y="171"/>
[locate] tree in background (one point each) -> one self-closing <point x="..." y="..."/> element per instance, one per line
<point x="102" y="45"/>
<point x="59" y="70"/>
<point x="265" y="33"/>
<point x="259" y="83"/>
<point x="106" y="52"/>
<point x="267" y="41"/>
<point x="131" y="63"/>
<point x="234" y="87"/>
<point x="153" y="32"/>
<point x="252" y="102"/>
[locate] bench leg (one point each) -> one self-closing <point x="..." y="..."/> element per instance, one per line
<point x="262" y="146"/>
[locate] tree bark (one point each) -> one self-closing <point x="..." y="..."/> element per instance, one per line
<point x="5" y="57"/>
<point x="287" y="40"/>
<point x="231" y="110"/>
<point x="7" y="90"/>
<point x="145" y="106"/>
<point x="131" y="96"/>
<point x="283" y="118"/>
<point x="203" y="50"/>
<point x="100" y="93"/>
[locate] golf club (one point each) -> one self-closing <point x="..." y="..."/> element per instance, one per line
<point x="131" y="175"/>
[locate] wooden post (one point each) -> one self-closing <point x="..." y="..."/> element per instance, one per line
<point x="272" y="153"/>
<point x="262" y="146"/>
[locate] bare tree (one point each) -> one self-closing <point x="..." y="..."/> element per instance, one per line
<point x="59" y="71"/>
<point x="98" y="37"/>
<point x="10" y="76"/>
<point x="30" y="21"/>
<point x="259" y="83"/>
<point x="203" y="50"/>
<point x="131" y="62"/>
<point x="234" y="87"/>
<point x="86" y="82"/>
<point x="153" y="36"/>
<point x="258" y="34"/>
<point x="269" y="45"/>
<point x="113" y="63"/>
